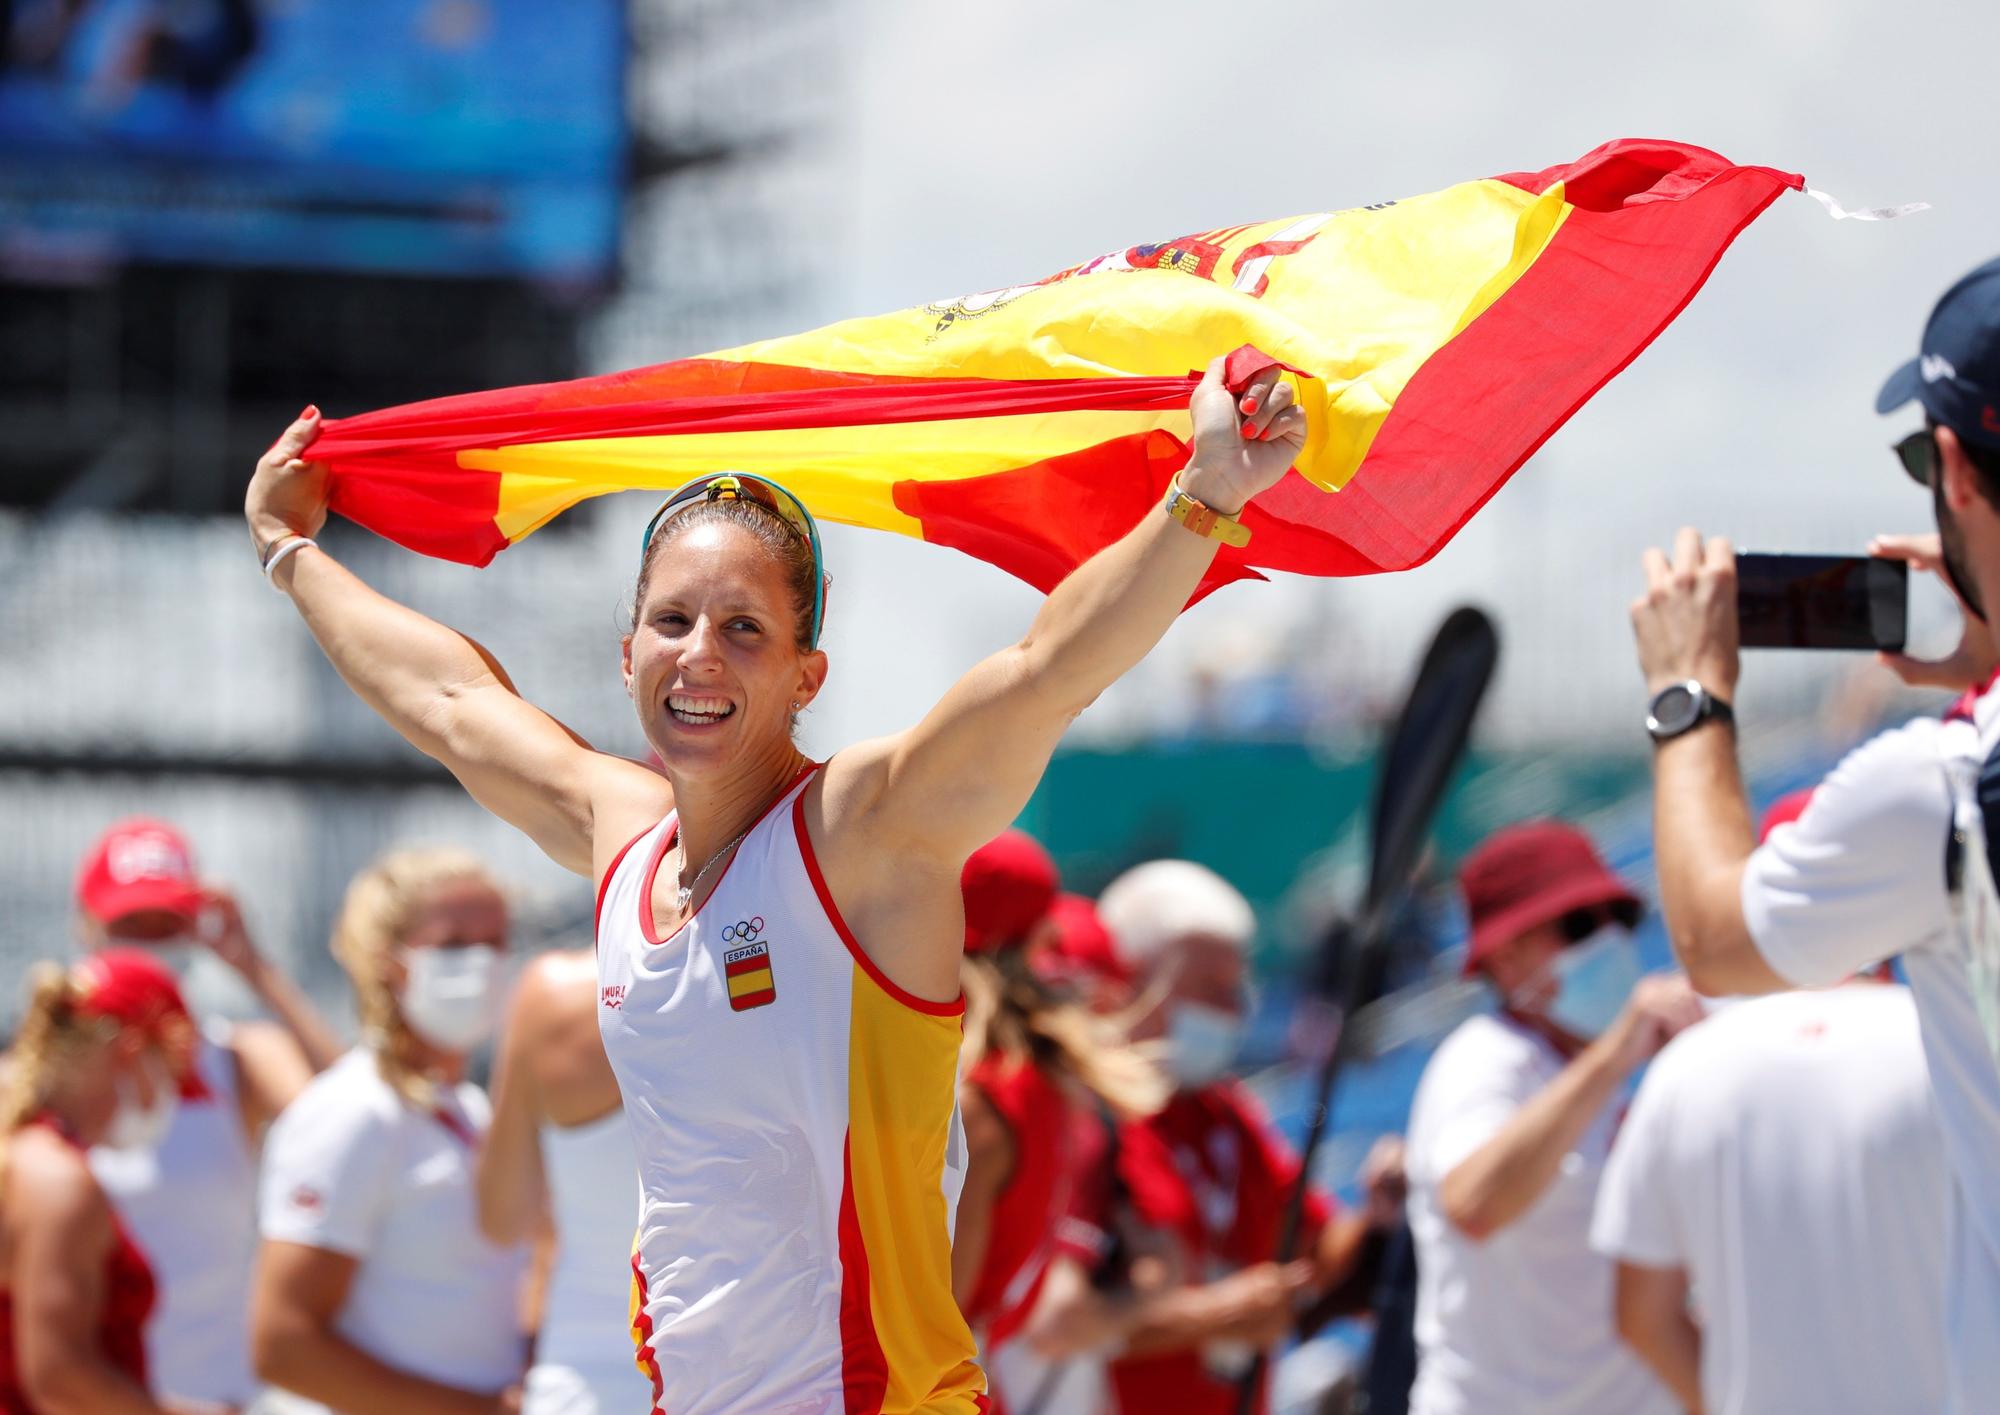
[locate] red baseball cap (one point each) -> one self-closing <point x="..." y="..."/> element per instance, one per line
<point x="1082" y="945"/>
<point x="139" y="866"/>
<point x="132" y="988"/>
<point x="1783" y="811"/>
<point x="1531" y="874"/>
<point x="1009" y="884"/>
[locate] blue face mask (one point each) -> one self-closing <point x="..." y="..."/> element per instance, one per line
<point x="1594" y="978"/>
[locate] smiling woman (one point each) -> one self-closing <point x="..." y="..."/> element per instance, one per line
<point x="778" y="940"/>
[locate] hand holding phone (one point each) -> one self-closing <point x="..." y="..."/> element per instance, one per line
<point x="1822" y="602"/>
<point x="1972" y="662"/>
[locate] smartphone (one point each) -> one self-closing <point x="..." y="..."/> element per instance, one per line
<point x="1822" y="602"/>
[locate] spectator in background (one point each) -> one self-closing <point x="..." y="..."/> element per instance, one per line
<point x="1782" y="1160"/>
<point x="1895" y="855"/>
<point x="1035" y="1070"/>
<point x="100" y="1059"/>
<point x="1207" y="1172"/>
<point x="191" y="1202"/>
<point x="376" y="1293"/>
<point x="1508" y="1136"/>
<point x="1075" y="952"/>
<point x="558" y="1163"/>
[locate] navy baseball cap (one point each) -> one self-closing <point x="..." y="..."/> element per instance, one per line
<point x="1956" y="376"/>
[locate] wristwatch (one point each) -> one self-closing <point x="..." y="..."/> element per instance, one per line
<point x="1682" y="707"/>
<point x="1203" y="519"/>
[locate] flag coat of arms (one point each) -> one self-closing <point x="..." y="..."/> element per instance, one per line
<point x="1435" y="342"/>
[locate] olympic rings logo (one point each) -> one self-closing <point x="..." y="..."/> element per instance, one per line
<point x="744" y="930"/>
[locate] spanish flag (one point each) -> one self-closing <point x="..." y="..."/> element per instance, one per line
<point x="1436" y="342"/>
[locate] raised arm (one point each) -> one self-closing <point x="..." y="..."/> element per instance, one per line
<point x="439" y="689"/>
<point x="1686" y="629"/>
<point x="951" y="783"/>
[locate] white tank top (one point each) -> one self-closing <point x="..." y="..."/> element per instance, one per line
<point x="191" y="1206"/>
<point x="593" y="1195"/>
<point x="799" y="1152"/>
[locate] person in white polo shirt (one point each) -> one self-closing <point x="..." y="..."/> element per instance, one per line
<point x="1509" y="1132"/>
<point x="1893" y="856"/>
<point x="191" y="1200"/>
<point x="1782" y="1163"/>
<point x="376" y="1293"/>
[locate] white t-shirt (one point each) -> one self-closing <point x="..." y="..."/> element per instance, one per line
<point x="1862" y="876"/>
<point x="191" y="1206"/>
<point x="353" y="1168"/>
<point x="1520" y="1324"/>
<point x="1784" y="1154"/>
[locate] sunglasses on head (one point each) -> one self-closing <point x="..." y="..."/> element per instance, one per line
<point x="1918" y="455"/>
<point x="734" y="486"/>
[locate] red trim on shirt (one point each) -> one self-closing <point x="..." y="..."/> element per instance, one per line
<point x="647" y="924"/>
<point x="864" y="1370"/>
<point x="604" y="885"/>
<point x="1961" y="710"/>
<point x="455" y="1125"/>
<point x="642" y="1329"/>
<point x="954" y="1008"/>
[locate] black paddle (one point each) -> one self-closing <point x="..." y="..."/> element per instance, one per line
<point x="1423" y="746"/>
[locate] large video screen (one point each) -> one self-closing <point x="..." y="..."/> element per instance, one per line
<point x="443" y="137"/>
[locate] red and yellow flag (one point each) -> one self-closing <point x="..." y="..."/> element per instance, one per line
<point x="1437" y="342"/>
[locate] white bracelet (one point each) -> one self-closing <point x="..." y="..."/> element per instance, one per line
<point x="285" y="547"/>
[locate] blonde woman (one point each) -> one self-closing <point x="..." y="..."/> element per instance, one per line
<point x="778" y="939"/>
<point x="1038" y="1071"/>
<point x="376" y="1293"/>
<point x="99" y="1060"/>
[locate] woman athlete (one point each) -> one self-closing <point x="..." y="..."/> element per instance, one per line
<point x="779" y="941"/>
<point x="99" y="1060"/>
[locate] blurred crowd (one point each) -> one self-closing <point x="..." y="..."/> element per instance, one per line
<point x="1795" y="1207"/>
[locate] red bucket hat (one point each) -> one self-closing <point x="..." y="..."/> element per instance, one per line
<point x="1531" y="874"/>
<point x="133" y="989"/>
<point x="1009" y="884"/>
<point x="139" y="866"/>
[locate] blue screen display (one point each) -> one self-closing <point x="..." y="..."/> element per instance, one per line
<point x="442" y="137"/>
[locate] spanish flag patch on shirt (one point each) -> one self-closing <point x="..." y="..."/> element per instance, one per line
<point x="747" y="967"/>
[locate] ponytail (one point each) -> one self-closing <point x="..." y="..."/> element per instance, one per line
<point x="52" y="1032"/>
<point x="1011" y="1012"/>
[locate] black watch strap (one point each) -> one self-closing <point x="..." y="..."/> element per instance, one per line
<point x="1681" y="707"/>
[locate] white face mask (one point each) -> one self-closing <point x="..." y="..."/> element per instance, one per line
<point x="451" y="997"/>
<point x="1201" y="1042"/>
<point x="1594" y="978"/>
<point x="142" y="1127"/>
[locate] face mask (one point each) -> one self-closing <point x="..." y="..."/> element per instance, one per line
<point x="1951" y="537"/>
<point x="1593" y="979"/>
<point x="142" y="1127"/>
<point x="1201" y="1042"/>
<point x="451" y="997"/>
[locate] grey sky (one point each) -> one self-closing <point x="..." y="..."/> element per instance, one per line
<point x="988" y="144"/>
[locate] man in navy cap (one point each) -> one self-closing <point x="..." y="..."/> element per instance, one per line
<point x="1891" y="856"/>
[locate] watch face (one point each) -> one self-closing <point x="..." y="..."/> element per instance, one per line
<point x="1674" y="710"/>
